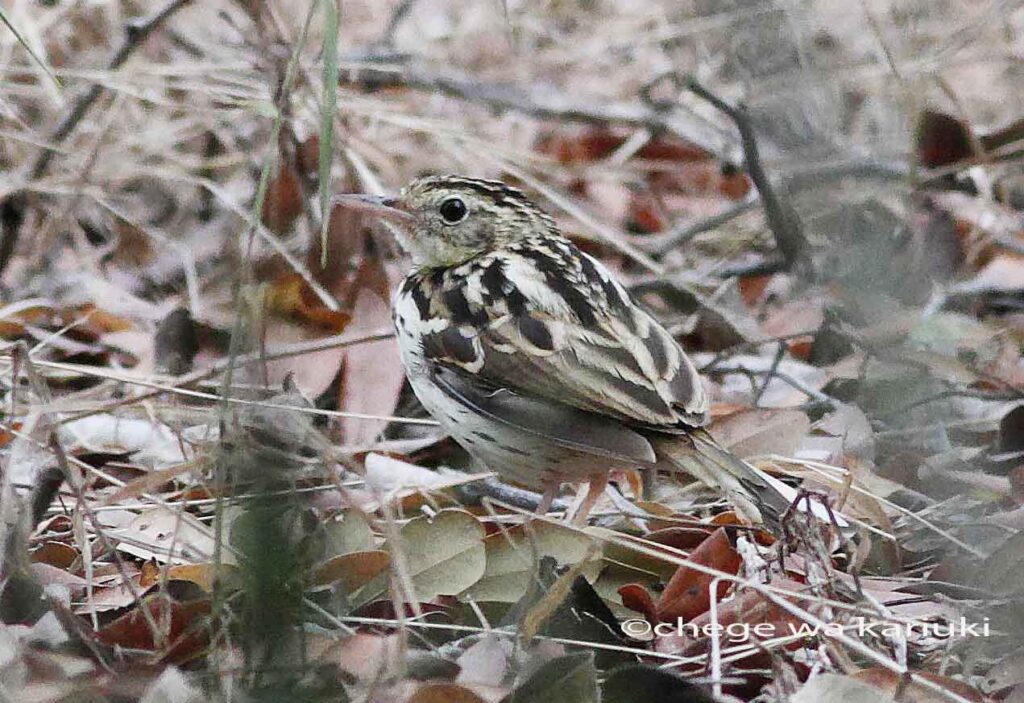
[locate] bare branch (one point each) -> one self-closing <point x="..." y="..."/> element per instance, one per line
<point x="782" y="218"/>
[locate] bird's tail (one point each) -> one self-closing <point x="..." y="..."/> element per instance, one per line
<point x="760" y="498"/>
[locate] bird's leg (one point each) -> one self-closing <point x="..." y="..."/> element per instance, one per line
<point x="547" y="499"/>
<point x="595" y="489"/>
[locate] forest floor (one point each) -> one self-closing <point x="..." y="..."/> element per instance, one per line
<point x="216" y="485"/>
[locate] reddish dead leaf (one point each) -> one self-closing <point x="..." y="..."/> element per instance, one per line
<point x="644" y="214"/>
<point x="7" y="435"/>
<point x="282" y="203"/>
<point x="385" y="610"/>
<point x="663" y="148"/>
<point x="730" y="518"/>
<point x="351" y="570"/>
<point x="686" y="595"/>
<point x="56" y="554"/>
<point x="752" y="288"/>
<point x="744" y="613"/>
<point x="307" y="156"/>
<point x="96" y="320"/>
<point x="942" y="139"/>
<point x="685" y="538"/>
<point x="735" y="184"/>
<point x="444" y="693"/>
<point x="132" y="630"/>
<point x="636" y="598"/>
<point x="594" y="143"/>
<point x="582" y="147"/>
<point x="800" y="348"/>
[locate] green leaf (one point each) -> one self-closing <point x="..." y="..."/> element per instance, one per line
<point x="444" y="555"/>
<point x="350" y="533"/>
<point x="327" y="108"/>
<point x="637" y="682"/>
<point x="510" y="565"/>
<point x="568" y="679"/>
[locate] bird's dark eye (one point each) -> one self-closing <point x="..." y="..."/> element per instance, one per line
<point x="453" y="211"/>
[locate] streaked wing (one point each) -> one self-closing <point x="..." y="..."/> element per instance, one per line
<point x="545" y="319"/>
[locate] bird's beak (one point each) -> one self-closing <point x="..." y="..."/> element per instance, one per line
<point x="385" y="207"/>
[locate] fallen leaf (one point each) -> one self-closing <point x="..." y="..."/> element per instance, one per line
<point x="444" y="693"/>
<point x="56" y="554"/>
<point x="758" y="432"/>
<point x="443" y="555"/>
<point x="512" y="556"/>
<point x="352" y="570"/>
<point x="571" y="678"/>
<point x="687" y="593"/>
<point x="372" y="376"/>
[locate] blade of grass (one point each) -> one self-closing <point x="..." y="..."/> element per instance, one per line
<point x="327" y="108"/>
<point x="35" y="57"/>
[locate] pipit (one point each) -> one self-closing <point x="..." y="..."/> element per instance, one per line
<point x="536" y="360"/>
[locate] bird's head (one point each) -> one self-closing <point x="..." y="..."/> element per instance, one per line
<point x="442" y="221"/>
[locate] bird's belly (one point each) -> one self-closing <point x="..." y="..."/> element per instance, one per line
<point x="513" y="454"/>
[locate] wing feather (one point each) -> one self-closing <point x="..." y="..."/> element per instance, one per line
<point x="552" y="322"/>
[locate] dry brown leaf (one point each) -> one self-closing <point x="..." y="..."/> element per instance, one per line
<point x="757" y="432"/>
<point x="687" y="594"/>
<point x="372" y="375"/>
<point x="56" y="554"/>
<point x="444" y="693"/>
<point x="290" y="297"/>
<point x="352" y="570"/>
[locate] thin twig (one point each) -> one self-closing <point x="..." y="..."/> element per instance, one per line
<point x="782" y="218"/>
<point x="541" y="104"/>
<point x="677" y="236"/>
<point x="135" y="33"/>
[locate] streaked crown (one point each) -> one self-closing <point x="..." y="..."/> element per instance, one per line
<point x="454" y="219"/>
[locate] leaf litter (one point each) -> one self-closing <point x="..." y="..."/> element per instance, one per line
<point x="217" y="486"/>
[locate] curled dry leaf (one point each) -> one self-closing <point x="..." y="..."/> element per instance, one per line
<point x="282" y="203"/>
<point x="687" y="593"/>
<point x="291" y="298"/>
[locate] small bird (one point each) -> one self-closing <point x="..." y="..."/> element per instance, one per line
<point x="536" y="360"/>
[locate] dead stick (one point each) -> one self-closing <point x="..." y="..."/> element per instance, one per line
<point x="782" y="219"/>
